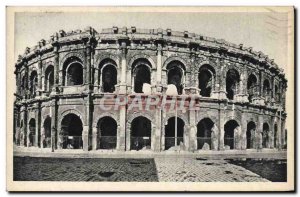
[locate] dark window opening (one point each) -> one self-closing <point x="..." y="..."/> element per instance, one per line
<point x="251" y="87"/>
<point x="275" y="136"/>
<point x="107" y="133"/>
<point x="47" y="129"/>
<point x="232" y="82"/>
<point x="265" y="136"/>
<point x="170" y="132"/>
<point x="33" y="84"/>
<point x="140" y="134"/>
<point x="205" y="78"/>
<point x="49" y="78"/>
<point x="73" y="72"/>
<point x="32" y="126"/>
<point x="174" y="77"/>
<point x="175" y="71"/>
<point x="109" y="78"/>
<point x="266" y="90"/>
<point x="204" y="129"/>
<point x="141" y="75"/>
<point x="250" y="134"/>
<point x="72" y="132"/>
<point x="229" y="128"/>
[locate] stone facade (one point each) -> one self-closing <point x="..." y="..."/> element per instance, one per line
<point x="239" y="93"/>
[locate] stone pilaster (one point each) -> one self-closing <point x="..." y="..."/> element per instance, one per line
<point x="57" y="80"/>
<point x="26" y="80"/>
<point x="127" y="136"/>
<point x="237" y="138"/>
<point x="193" y="131"/>
<point x="24" y="131"/>
<point x="123" y="134"/>
<point x="157" y="132"/>
<point x="94" y="138"/>
<point x="54" y="132"/>
<point x="38" y="125"/>
<point x="259" y="130"/>
<point x="214" y="137"/>
<point x="280" y="130"/>
<point x="159" y="69"/>
<point x="273" y="99"/>
<point x="87" y="128"/>
<point x="28" y="134"/>
<point x="282" y="135"/>
<point x="242" y="95"/>
<point x="123" y="87"/>
<point x="39" y="76"/>
<point x="96" y="79"/>
<point x="85" y="138"/>
<point x="186" y="137"/>
<point x="88" y="65"/>
<point x="219" y="91"/>
<point x="243" y="132"/>
<point x="221" y="127"/>
<point x="43" y="137"/>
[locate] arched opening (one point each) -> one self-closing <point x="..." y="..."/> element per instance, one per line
<point x="108" y="75"/>
<point x="232" y="83"/>
<point x="31" y="133"/>
<point x="175" y="71"/>
<point x="109" y="78"/>
<point x="265" y="136"/>
<point x="229" y="136"/>
<point x="141" y="74"/>
<point x="170" y="133"/>
<point x="250" y="134"/>
<point x="251" y="87"/>
<point x="266" y="89"/>
<point x="275" y="135"/>
<point x="73" y="72"/>
<point x="71" y="126"/>
<point x="49" y="78"/>
<point x="204" y="129"/>
<point x="140" y="133"/>
<point x="107" y="133"/>
<point x="206" y="80"/>
<point x="47" y="129"/>
<point x="33" y="84"/>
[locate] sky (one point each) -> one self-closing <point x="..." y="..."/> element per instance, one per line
<point x="264" y="31"/>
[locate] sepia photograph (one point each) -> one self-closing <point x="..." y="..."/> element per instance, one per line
<point x="150" y="99"/>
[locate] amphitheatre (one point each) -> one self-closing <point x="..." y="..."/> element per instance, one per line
<point x="239" y="93"/>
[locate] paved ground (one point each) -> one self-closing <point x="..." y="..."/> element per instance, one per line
<point x="273" y="170"/>
<point x="78" y="169"/>
<point x="34" y="164"/>
<point x="165" y="169"/>
<point x="193" y="170"/>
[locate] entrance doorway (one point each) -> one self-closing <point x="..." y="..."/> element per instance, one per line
<point x="140" y="133"/>
<point x="170" y="137"/>
<point x="72" y="132"/>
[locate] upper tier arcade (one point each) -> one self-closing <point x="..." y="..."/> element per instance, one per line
<point x="77" y="61"/>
